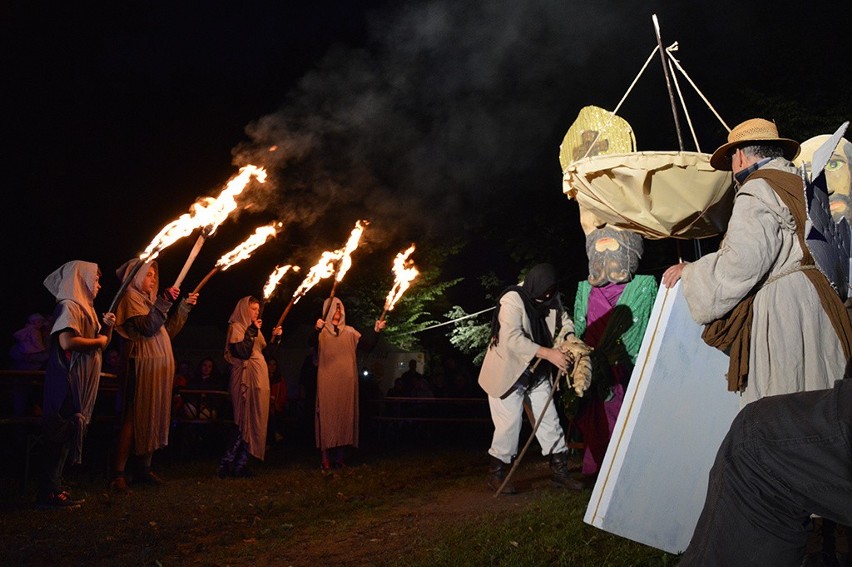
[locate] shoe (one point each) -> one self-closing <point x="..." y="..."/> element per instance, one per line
<point x="150" y="479"/>
<point x="561" y="477"/>
<point x="58" y="501"/>
<point x="119" y="485"/>
<point x="497" y="471"/>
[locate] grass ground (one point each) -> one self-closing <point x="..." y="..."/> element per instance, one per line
<point x="402" y="501"/>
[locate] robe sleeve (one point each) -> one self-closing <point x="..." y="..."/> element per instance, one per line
<point x="243" y="349"/>
<point x="715" y="283"/>
<point x="148" y="325"/>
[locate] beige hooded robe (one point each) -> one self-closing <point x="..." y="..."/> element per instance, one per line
<point x="249" y="381"/>
<point x="337" y="382"/>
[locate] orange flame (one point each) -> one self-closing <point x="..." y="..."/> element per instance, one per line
<point x="274" y="278"/>
<point x="345" y="254"/>
<point x="404" y="273"/>
<point x="261" y="235"/>
<point x="325" y="268"/>
<point x="322" y="270"/>
<point x="207" y="213"/>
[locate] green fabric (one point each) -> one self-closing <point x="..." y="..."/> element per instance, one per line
<point x="626" y="326"/>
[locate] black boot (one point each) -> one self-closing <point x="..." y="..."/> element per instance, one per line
<point x="497" y="471"/>
<point x="561" y="477"/>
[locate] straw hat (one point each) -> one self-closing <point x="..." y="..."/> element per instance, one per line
<point x="754" y="130"/>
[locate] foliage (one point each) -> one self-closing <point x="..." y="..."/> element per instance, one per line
<point x="415" y="309"/>
<point x="802" y="118"/>
<point x="470" y="334"/>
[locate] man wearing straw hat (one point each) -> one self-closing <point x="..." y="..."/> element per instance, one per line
<point x="760" y="296"/>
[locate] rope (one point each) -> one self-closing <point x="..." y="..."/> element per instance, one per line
<point x="683" y="106"/>
<point x="704" y="98"/>
<point x="623" y="98"/>
<point x="450" y="322"/>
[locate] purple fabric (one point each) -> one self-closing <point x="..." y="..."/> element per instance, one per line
<point x="597" y="420"/>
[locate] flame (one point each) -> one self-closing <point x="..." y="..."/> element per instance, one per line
<point x="274" y="278"/>
<point x="261" y="235"/>
<point x="345" y="254"/>
<point x="322" y="270"/>
<point x="404" y="273"/>
<point x="326" y="266"/>
<point x="207" y="213"/>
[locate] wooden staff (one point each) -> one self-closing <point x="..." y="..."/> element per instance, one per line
<point x="286" y="311"/>
<point x="192" y="254"/>
<point x="205" y="279"/>
<point x="124" y="284"/>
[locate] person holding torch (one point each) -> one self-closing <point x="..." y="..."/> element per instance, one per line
<point x="147" y="367"/>
<point x="249" y="386"/>
<point x="336" y="417"/>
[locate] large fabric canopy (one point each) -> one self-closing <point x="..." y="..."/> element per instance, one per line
<point x="656" y="194"/>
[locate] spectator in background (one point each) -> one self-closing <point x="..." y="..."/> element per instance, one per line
<point x="411" y="377"/>
<point x="277" y="401"/>
<point x="180" y="381"/>
<point x="30" y="349"/>
<point x="112" y="361"/>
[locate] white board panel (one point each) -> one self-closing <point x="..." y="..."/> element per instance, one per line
<point x="676" y="411"/>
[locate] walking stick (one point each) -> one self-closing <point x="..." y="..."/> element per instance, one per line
<point x="559" y="340"/>
<point x="538" y="421"/>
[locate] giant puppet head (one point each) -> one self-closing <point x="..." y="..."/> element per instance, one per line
<point x="837" y="174"/>
<point x="612" y="251"/>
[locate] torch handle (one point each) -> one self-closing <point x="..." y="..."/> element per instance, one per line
<point x="286" y="311"/>
<point x="384" y="312"/>
<point x="124" y="285"/>
<point x="205" y="280"/>
<point x="192" y="254"/>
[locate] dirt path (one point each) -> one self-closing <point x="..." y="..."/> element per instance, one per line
<point x="411" y="523"/>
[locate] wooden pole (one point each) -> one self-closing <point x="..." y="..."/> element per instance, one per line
<point x="205" y="279"/>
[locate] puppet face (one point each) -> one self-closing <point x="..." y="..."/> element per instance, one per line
<point x="613" y="253"/>
<point x="206" y="367"/>
<point x="837" y="174"/>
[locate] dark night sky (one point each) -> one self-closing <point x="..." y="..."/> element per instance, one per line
<point x="417" y="115"/>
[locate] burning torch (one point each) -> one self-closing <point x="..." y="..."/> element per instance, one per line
<point x="404" y="273"/>
<point x="260" y="237"/>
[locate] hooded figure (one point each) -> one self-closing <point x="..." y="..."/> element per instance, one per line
<point x="337" y="380"/>
<point x="72" y="375"/>
<point x="249" y="382"/>
<point x="527" y="319"/>
<point x="148" y="364"/>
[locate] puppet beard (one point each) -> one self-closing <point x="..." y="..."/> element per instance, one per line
<point x="613" y="266"/>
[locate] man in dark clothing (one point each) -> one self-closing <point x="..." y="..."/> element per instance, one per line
<point x="785" y="458"/>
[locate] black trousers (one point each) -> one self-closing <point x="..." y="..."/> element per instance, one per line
<point x="784" y="458"/>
